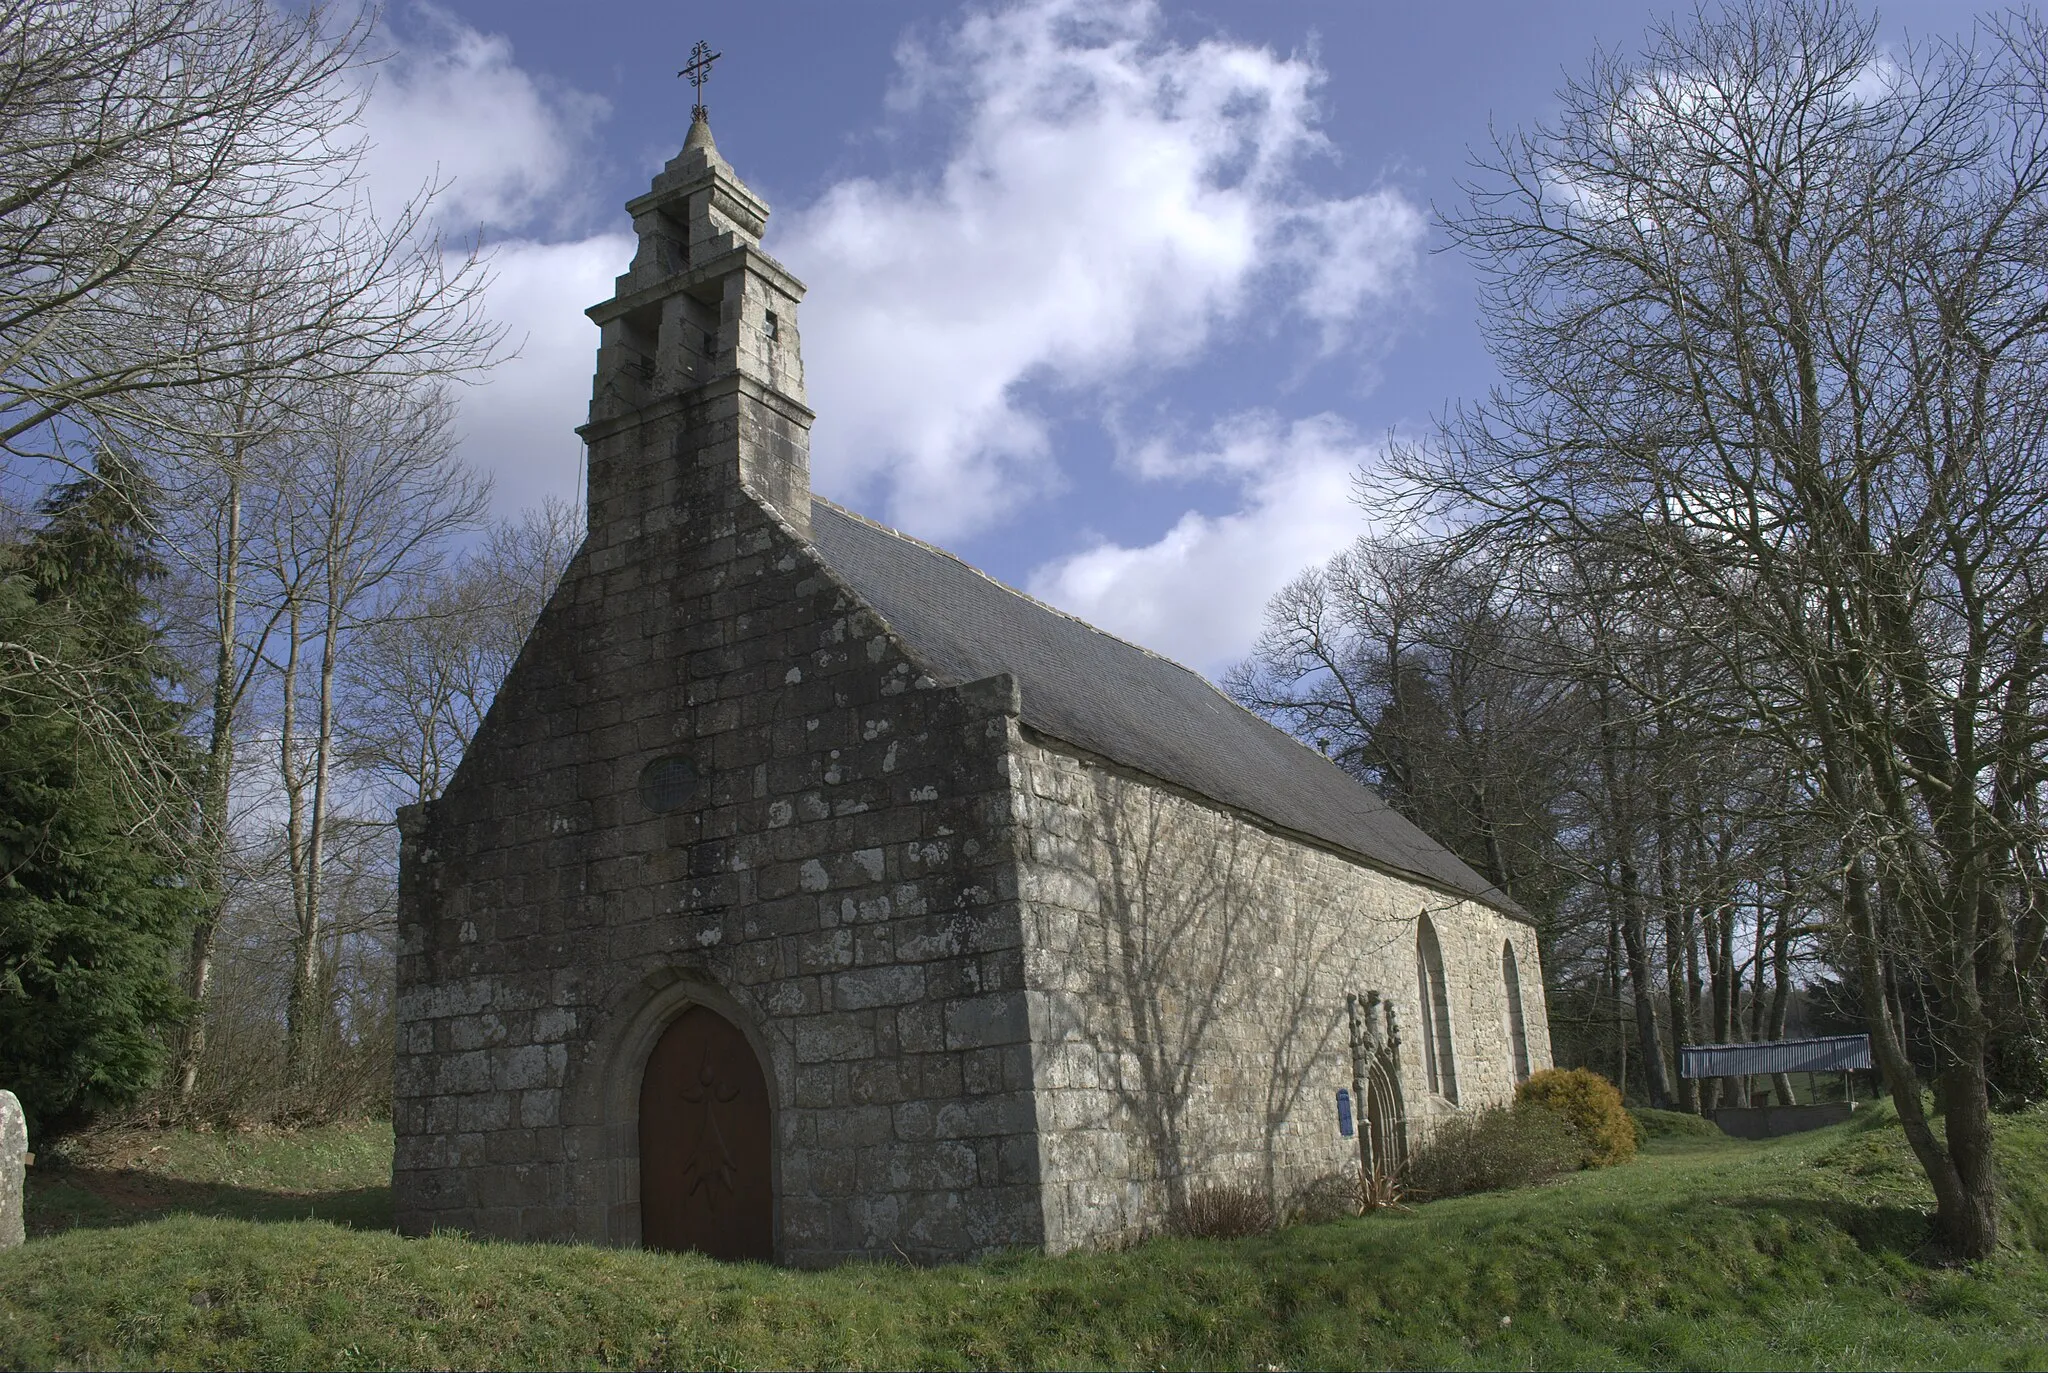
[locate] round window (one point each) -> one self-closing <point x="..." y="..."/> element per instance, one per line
<point x="667" y="784"/>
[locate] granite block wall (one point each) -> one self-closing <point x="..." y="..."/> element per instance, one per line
<point x="1188" y="969"/>
<point x="836" y="881"/>
<point x="1003" y="993"/>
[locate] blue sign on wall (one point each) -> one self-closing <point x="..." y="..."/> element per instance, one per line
<point x="1344" y="1113"/>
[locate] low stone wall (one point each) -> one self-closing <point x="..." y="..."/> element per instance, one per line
<point x="1769" y="1122"/>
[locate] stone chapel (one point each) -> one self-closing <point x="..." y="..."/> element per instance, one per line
<point x="809" y="895"/>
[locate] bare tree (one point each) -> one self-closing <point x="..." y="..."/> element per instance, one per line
<point x="422" y="676"/>
<point x="1412" y="669"/>
<point x="210" y="451"/>
<point x="153" y="153"/>
<point x="362" y="504"/>
<point x="1772" y="308"/>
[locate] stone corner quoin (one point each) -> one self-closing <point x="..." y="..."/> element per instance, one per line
<point x="1005" y="987"/>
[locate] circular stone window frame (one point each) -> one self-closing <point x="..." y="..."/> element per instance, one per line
<point x="667" y="784"/>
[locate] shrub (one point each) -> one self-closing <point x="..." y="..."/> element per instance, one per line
<point x="1332" y="1196"/>
<point x="1495" y="1149"/>
<point x="1593" y="1106"/>
<point x="1379" y="1190"/>
<point x="2016" y="1065"/>
<point x="1226" y="1211"/>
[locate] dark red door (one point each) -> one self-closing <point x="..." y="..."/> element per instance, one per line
<point x="704" y="1146"/>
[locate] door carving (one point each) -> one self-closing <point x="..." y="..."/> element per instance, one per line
<point x="1376" y="1086"/>
<point x="705" y="1172"/>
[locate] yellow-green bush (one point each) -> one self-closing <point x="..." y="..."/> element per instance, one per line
<point x="1592" y="1104"/>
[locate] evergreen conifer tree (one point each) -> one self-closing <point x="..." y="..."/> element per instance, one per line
<point x="93" y="901"/>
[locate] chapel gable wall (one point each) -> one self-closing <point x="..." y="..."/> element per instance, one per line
<point x="837" y="882"/>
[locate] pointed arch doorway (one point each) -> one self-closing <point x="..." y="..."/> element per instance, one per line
<point x="706" y="1172"/>
<point x="1376" y="1083"/>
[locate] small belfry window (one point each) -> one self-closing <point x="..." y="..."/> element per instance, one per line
<point x="1517" y="1027"/>
<point x="1436" y="1014"/>
<point x="772" y="327"/>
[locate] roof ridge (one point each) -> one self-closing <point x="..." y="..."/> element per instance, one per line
<point x="1088" y="625"/>
<point x="1094" y="628"/>
<point x="1480" y="887"/>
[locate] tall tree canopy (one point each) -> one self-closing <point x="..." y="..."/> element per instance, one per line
<point x="92" y="898"/>
<point x="1772" y="309"/>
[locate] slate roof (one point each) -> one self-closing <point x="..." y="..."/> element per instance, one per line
<point x="1112" y="698"/>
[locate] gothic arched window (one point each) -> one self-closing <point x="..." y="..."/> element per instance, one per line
<point x="1518" y="1030"/>
<point x="1436" y="1014"/>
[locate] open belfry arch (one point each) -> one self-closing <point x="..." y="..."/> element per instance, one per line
<point x="809" y="895"/>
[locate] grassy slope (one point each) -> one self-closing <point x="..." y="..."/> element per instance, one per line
<point x="1703" y="1253"/>
<point x="339" y="1173"/>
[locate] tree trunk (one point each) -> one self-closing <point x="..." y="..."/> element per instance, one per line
<point x="215" y="794"/>
<point x="301" y="1002"/>
<point x="317" y="996"/>
<point x="1613" y="1000"/>
<point x="1727" y="996"/>
<point x="1965" y="1180"/>
<point x="1677" y="939"/>
<point x="1708" y="1089"/>
<point x="1649" y="1043"/>
<point x="1759" y="948"/>
<point x="1781" y="988"/>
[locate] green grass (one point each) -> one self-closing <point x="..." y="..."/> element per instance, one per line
<point x="338" y="1173"/>
<point x="1704" y="1253"/>
<point x="1672" y="1126"/>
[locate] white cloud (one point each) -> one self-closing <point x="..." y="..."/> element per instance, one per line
<point x="1110" y="198"/>
<point x="1199" y="592"/>
<point x="449" y="106"/>
<point x="1353" y="252"/>
<point x="520" y="424"/>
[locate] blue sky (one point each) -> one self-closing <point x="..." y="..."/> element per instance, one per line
<point x="1115" y="299"/>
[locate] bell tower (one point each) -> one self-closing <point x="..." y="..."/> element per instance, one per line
<point x="699" y="390"/>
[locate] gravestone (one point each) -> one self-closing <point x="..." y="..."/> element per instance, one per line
<point x="13" y="1163"/>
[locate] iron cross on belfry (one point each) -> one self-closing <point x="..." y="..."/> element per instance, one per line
<point x="699" y="71"/>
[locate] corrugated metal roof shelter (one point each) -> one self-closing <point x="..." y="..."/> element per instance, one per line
<point x="1832" y="1054"/>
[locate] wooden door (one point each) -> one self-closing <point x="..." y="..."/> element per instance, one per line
<point x="705" y="1170"/>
